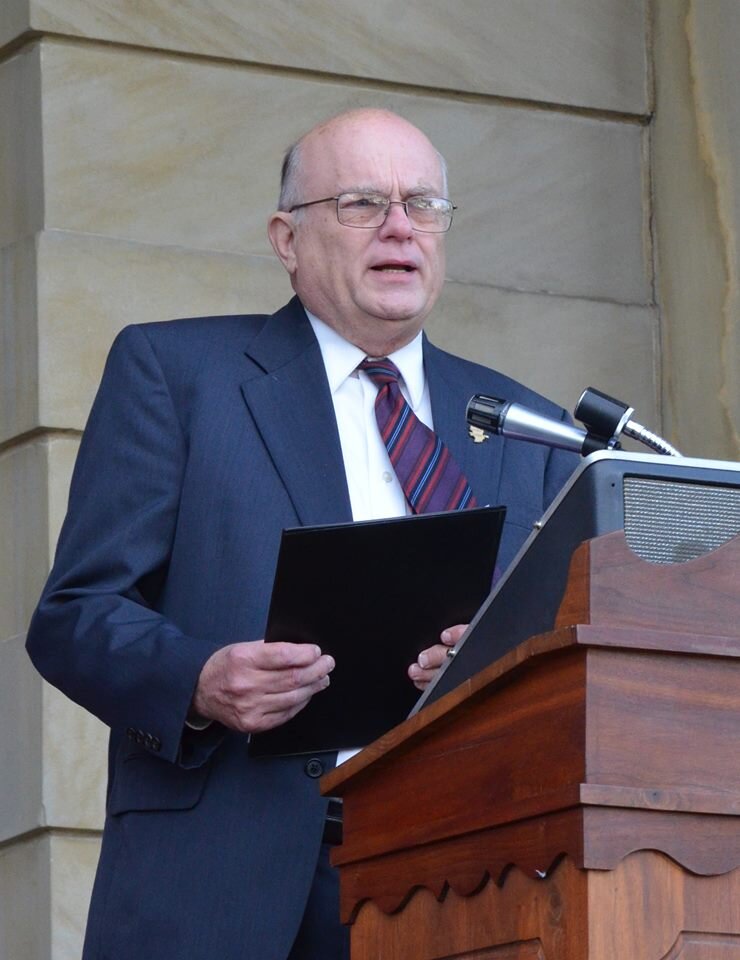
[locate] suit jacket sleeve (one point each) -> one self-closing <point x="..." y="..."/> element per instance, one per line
<point x="96" y="634"/>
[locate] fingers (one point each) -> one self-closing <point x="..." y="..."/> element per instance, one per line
<point x="252" y="687"/>
<point x="275" y="656"/>
<point x="430" y="660"/>
<point x="453" y="635"/>
<point x="283" y="667"/>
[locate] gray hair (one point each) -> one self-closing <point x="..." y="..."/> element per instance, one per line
<point x="290" y="177"/>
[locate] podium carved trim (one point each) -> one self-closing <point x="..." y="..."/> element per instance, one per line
<point x="592" y="838"/>
<point x="570" y="914"/>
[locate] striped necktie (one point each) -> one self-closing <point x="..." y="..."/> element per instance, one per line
<point x="430" y="478"/>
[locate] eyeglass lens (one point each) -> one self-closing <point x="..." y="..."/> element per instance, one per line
<point x="431" y="214"/>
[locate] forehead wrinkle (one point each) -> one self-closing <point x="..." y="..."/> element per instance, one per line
<point x="422" y="189"/>
<point x="416" y="191"/>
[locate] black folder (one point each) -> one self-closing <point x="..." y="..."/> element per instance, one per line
<point x="373" y="595"/>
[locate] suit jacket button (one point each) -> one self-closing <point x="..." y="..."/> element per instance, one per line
<point x="156" y="744"/>
<point x="139" y="736"/>
<point x="131" y="733"/>
<point x="314" y="768"/>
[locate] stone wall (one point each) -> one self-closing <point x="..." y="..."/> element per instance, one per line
<point x="139" y="156"/>
<point x="696" y="177"/>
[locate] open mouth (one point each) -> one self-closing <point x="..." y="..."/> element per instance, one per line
<point x="394" y="268"/>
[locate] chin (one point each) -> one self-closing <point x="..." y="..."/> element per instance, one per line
<point x="400" y="311"/>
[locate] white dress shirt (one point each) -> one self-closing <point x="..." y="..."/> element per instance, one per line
<point x="374" y="490"/>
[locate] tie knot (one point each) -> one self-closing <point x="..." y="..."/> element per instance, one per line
<point x="380" y="370"/>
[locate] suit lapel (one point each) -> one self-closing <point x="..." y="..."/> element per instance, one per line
<point x="288" y="396"/>
<point x="450" y="389"/>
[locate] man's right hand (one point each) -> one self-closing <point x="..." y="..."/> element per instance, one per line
<point x="252" y="687"/>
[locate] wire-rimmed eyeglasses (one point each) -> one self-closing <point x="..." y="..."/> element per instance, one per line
<point x="368" y="210"/>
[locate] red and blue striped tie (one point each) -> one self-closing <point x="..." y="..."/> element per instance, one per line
<point x="430" y="478"/>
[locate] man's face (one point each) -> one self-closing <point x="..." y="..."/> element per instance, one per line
<point x="374" y="286"/>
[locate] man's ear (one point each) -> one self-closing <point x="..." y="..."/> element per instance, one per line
<point x="281" y="231"/>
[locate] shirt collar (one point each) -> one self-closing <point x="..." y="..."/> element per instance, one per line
<point x="341" y="358"/>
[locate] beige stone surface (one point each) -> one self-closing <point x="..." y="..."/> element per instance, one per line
<point x="25" y="897"/>
<point x="74" y="764"/>
<point x="20" y="745"/>
<point x="21" y="173"/>
<point x="34" y="481"/>
<point x="557" y="345"/>
<point x="91" y="288"/>
<point x="45" y="886"/>
<point x="697" y="214"/>
<point x="580" y="52"/>
<point x="18" y="339"/>
<point x="23" y="534"/>
<point x="61" y="452"/>
<point x="186" y="153"/>
<point x="15" y="18"/>
<point x="73" y="859"/>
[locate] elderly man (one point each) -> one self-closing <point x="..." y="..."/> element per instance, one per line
<point x="209" y="436"/>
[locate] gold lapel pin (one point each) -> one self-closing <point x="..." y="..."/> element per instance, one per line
<point x="478" y="435"/>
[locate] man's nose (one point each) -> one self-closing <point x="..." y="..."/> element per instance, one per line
<point x="396" y="223"/>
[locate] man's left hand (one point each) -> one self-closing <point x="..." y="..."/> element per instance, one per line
<point x="430" y="660"/>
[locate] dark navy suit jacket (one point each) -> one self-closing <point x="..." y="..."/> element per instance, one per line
<point x="208" y="437"/>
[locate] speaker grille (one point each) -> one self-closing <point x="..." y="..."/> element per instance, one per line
<point x="671" y="522"/>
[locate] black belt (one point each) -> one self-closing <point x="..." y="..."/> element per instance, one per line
<point x="333" y="823"/>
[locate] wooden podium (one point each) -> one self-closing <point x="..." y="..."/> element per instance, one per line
<point x="579" y="798"/>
